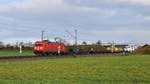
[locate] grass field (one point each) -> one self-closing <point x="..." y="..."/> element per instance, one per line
<point x="132" y="69"/>
<point x="13" y="52"/>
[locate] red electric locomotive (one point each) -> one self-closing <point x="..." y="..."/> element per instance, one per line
<point x="49" y="48"/>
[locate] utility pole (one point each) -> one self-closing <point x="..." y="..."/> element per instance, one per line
<point x="113" y="47"/>
<point x="42" y="35"/>
<point x="20" y="47"/>
<point x="76" y="38"/>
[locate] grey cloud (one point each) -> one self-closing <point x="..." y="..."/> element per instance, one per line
<point x="111" y="20"/>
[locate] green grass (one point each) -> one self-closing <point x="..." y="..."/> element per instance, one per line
<point x="85" y="70"/>
<point x="9" y="52"/>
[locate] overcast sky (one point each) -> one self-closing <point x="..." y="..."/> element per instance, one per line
<point x="106" y="20"/>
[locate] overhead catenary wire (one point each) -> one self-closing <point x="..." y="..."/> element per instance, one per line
<point x="74" y="36"/>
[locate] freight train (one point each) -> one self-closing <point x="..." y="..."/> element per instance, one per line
<point x="45" y="48"/>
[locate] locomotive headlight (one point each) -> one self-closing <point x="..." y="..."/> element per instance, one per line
<point x="35" y="48"/>
<point x="41" y="48"/>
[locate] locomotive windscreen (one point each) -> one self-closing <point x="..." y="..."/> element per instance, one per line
<point x="38" y="44"/>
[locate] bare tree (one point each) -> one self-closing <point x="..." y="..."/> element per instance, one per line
<point x="84" y="43"/>
<point x="99" y="42"/>
<point x="1" y="44"/>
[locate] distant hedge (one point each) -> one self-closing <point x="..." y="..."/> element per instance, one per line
<point x="16" y="48"/>
<point x="143" y="50"/>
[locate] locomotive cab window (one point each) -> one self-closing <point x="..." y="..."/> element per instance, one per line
<point x="38" y="44"/>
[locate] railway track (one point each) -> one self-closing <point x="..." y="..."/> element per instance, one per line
<point x="8" y="58"/>
<point x="29" y="57"/>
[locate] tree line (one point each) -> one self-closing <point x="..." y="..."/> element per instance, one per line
<point x="16" y="45"/>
